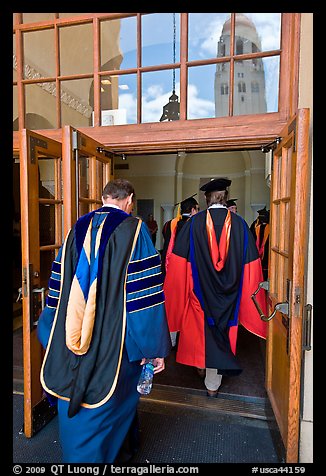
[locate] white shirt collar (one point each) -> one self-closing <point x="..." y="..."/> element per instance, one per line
<point x="217" y="205"/>
<point x="111" y="205"/>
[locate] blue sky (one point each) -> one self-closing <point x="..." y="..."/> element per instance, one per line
<point x="157" y="48"/>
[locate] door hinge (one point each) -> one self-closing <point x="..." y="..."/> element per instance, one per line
<point x="292" y="127"/>
<point x="297" y="301"/>
<point x="306" y="344"/>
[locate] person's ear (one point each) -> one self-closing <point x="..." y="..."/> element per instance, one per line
<point x="130" y="199"/>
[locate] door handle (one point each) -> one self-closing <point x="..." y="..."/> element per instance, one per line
<point x="42" y="292"/>
<point x="282" y="307"/>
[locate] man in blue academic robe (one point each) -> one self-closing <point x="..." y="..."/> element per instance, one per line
<point x="104" y="316"/>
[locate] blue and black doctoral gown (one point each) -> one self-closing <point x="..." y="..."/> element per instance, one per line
<point x="213" y="271"/>
<point x="105" y="312"/>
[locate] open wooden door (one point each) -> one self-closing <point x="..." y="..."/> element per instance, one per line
<point x="59" y="183"/>
<point x="287" y="259"/>
<point x="41" y="235"/>
<point x="87" y="167"/>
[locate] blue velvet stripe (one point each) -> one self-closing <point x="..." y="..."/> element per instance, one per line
<point x="144" y="302"/>
<point x="87" y="272"/>
<point x="54" y="284"/>
<point x="234" y="321"/>
<point x="117" y="216"/>
<point x="83" y="273"/>
<point x="194" y="269"/>
<point x="52" y="301"/>
<point x="144" y="264"/>
<point x="144" y="283"/>
<point x="56" y="267"/>
<point x="81" y="228"/>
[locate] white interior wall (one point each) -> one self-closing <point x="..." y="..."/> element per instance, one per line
<point x="169" y="178"/>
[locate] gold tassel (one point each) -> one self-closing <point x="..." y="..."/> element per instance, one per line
<point x="179" y="216"/>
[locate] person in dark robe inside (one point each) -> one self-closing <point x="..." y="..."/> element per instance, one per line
<point x="214" y="269"/>
<point x="104" y="316"/>
<point x="260" y="230"/>
<point x="153" y="227"/>
<point x="186" y="209"/>
<point x="231" y="205"/>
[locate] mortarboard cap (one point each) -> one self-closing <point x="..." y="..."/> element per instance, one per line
<point x="216" y="185"/>
<point x="186" y="199"/>
<point x="231" y="202"/>
<point x="263" y="214"/>
<point x="188" y="203"/>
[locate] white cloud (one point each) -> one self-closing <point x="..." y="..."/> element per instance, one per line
<point x="152" y="106"/>
<point x="129" y="102"/>
<point x="199" y="108"/>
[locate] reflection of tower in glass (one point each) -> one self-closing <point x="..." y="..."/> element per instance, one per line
<point x="249" y="75"/>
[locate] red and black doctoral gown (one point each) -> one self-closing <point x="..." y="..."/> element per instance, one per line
<point x="260" y="230"/>
<point x="170" y="230"/>
<point x="213" y="271"/>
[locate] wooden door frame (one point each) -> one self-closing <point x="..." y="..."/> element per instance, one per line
<point x="232" y="139"/>
<point x="297" y="295"/>
<point x="88" y="146"/>
<point x="29" y="193"/>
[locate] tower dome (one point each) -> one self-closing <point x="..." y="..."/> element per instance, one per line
<point x="244" y="28"/>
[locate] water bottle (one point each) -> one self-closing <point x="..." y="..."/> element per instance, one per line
<point x="145" y="381"/>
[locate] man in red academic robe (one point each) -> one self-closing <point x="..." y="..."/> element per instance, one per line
<point x="213" y="271"/>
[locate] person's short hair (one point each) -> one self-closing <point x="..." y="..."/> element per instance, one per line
<point x="188" y="204"/>
<point x="118" y="189"/>
<point x="215" y="197"/>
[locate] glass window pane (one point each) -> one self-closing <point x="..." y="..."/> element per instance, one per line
<point x="46" y="259"/>
<point x="259" y="31"/>
<point x="38" y="54"/>
<point x="157" y="88"/>
<point x="222" y="89"/>
<point x="47" y="178"/>
<point x="84" y="178"/>
<point x="272" y="82"/>
<point x="40" y="106"/>
<point x="118" y="44"/>
<point x="119" y="99"/>
<point x="255" y="86"/>
<point x="201" y="92"/>
<point x="100" y="174"/>
<point x="36" y="17"/>
<point x="47" y="224"/>
<point x="207" y="35"/>
<point x="158" y="38"/>
<point x="77" y="102"/>
<point x="76" y="49"/>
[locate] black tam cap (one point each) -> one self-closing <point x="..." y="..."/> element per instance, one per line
<point x="216" y="185"/>
<point x="263" y="214"/>
<point x="231" y="202"/>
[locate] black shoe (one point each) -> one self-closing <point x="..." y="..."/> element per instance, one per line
<point x="212" y="393"/>
<point x="201" y="372"/>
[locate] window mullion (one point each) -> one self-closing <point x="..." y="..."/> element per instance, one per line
<point x="139" y="62"/>
<point x="183" y="65"/>
<point x="96" y="77"/>
<point x="232" y="41"/>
